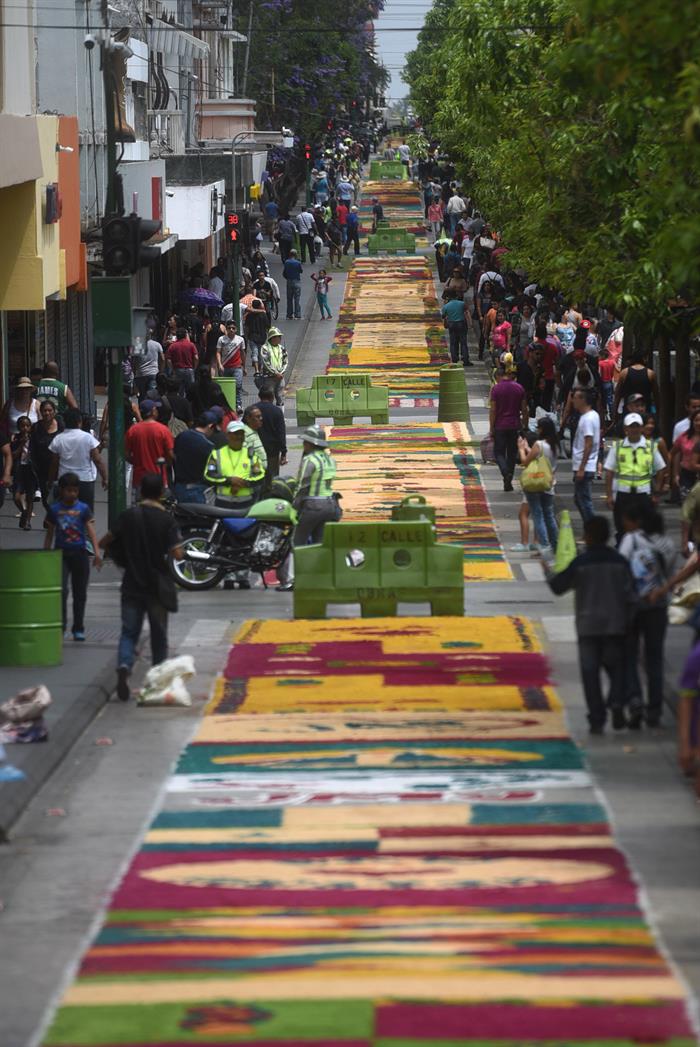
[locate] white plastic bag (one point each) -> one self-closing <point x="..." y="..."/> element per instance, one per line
<point x="26" y="705"/>
<point x="165" y="683"/>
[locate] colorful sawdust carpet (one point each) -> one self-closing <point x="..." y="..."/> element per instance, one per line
<point x="390" y="327"/>
<point x="380" y="465"/>
<point x="381" y="836"/>
<point x="403" y="207"/>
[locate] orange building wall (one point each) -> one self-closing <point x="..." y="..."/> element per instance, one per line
<point x="69" y="187"/>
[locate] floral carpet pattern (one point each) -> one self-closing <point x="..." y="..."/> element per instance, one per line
<point x="389" y="326"/>
<point x="382" y="835"/>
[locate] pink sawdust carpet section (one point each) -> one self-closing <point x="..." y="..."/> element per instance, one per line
<point x="381" y="835"/>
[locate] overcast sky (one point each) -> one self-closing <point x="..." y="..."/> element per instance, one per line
<point x="402" y="19"/>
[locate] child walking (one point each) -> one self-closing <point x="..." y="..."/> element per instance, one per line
<point x="321" y="282"/>
<point x="71" y="522"/>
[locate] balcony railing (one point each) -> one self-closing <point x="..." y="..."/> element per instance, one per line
<point x="166" y="132"/>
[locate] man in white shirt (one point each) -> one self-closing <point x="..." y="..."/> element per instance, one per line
<point x="467" y="250"/>
<point x="633" y="469"/>
<point x="456" y="207"/>
<point x="692" y="405"/>
<point x="306" y="227"/>
<point x="216" y="284"/>
<point x="584" y="452"/>
<point x="76" y="451"/>
<point x="147" y="365"/>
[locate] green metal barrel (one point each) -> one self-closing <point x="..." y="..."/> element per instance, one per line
<point x="452" y="405"/>
<point x="31" y="627"/>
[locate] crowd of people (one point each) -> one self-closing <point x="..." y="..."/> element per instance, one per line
<point x="561" y="394"/>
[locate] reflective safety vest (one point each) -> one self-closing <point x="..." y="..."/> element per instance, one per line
<point x="224" y="462"/>
<point x="634" y="464"/>
<point x="274" y="358"/>
<point x="316" y="475"/>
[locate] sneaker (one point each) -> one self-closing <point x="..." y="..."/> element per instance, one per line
<point x="286" y="587"/>
<point x="123" y="691"/>
<point x="79" y="635"/>
<point x="520" y="548"/>
<point x="507" y="485"/>
<point x="533" y="547"/>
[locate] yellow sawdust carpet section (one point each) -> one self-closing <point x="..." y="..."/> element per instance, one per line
<point x="389" y="326"/>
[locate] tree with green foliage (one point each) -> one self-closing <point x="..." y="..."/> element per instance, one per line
<point x="576" y="124"/>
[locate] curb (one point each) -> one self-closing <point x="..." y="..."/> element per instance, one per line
<point x="16" y="796"/>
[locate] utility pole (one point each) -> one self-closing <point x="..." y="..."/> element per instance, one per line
<point x="116" y="498"/>
<point x="244" y="86"/>
<point x="307" y="157"/>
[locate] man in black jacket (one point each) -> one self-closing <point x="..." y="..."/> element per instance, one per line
<point x="604" y="603"/>
<point x="273" y="432"/>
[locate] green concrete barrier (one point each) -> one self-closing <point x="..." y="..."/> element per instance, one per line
<point x="342" y="397"/>
<point x="31" y="626"/>
<point x="414" y="507"/>
<point x="381" y="170"/>
<point x="452" y="405"/>
<point x="391" y="241"/>
<point x="377" y="565"/>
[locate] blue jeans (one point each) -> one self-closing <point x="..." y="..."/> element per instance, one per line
<point x="237" y="374"/>
<point x="542" y="511"/>
<point x="582" y="496"/>
<point x="185" y="376"/>
<point x="322" y="300"/>
<point x="134" y="609"/>
<point x="191" y="493"/>
<point x="293" y="299"/>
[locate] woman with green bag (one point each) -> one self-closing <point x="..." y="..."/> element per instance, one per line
<point x="538" y="479"/>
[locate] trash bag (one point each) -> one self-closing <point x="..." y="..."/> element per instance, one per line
<point x="26" y="705"/>
<point x="8" y="773"/>
<point x="24" y="733"/>
<point x="165" y="683"/>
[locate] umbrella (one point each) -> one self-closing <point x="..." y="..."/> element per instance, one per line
<point x="200" y="296"/>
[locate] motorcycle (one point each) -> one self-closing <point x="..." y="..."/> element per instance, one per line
<point x="218" y="541"/>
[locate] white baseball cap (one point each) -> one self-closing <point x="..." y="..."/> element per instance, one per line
<point x="633" y="419"/>
<point x="235" y="427"/>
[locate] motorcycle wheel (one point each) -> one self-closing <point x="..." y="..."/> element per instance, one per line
<point x="196" y="576"/>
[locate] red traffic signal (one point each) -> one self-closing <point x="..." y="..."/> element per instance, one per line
<point x="307" y="151"/>
<point x="233" y="226"/>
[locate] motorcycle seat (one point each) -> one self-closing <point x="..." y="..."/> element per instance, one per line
<point x="211" y="510"/>
<point x="236" y="525"/>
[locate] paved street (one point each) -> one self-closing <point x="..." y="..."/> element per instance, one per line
<point x="76" y="837"/>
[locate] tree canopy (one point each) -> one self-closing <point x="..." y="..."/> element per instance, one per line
<point x="576" y="126"/>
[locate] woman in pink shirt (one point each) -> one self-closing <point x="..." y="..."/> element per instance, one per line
<point x="435" y="213"/>
<point x="684" y="469"/>
<point x="500" y="335"/>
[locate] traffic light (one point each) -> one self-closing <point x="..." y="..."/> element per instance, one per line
<point x="233" y="227"/>
<point x="123" y="247"/>
<point x="307" y="152"/>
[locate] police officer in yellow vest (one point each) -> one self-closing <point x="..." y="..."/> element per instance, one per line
<point x="314" y="499"/>
<point x="235" y="469"/>
<point x="274" y="360"/>
<point x="634" y="469"/>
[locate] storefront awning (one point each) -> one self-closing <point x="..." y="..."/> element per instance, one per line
<point x="167" y="39"/>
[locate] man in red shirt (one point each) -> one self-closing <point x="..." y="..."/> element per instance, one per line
<point x="182" y="357"/>
<point x="341" y="214"/>
<point x="550" y="361"/>
<point x="146" y="442"/>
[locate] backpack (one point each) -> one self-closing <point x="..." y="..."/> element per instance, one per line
<point x="175" y="425"/>
<point x="647" y="565"/>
